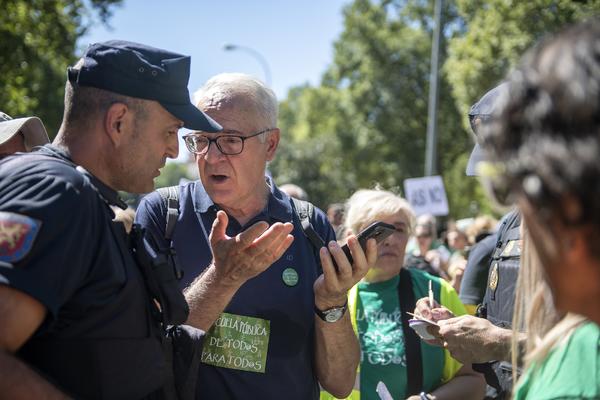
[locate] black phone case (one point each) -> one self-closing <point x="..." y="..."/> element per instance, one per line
<point x="377" y="230"/>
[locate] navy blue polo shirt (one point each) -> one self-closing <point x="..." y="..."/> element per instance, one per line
<point x="288" y="307"/>
<point x="59" y="245"/>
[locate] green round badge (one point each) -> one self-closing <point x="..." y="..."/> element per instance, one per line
<point x="290" y="276"/>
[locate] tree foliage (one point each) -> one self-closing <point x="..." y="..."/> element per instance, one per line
<point x="173" y="172"/>
<point x="37" y="41"/>
<point x="366" y="123"/>
<point x="499" y="32"/>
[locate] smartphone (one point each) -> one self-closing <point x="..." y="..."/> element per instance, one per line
<point x="377" y="230"/>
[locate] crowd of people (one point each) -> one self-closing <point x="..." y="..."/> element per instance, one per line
<point x="230" y="287"/>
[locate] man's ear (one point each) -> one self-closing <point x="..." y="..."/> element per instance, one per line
<point x="115" y="122"/>
<point x="272" y="143"/>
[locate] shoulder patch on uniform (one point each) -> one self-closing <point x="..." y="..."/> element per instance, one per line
<point x="493" y="280"/>
<point x="512" y="248"/>
<point x="17" y="234"/>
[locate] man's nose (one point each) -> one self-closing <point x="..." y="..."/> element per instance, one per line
<point x="213" y="154"/>
<point x="173" y="146"/>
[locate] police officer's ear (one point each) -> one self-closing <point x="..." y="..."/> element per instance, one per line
<point x="117" y="120"/>
<point x="272" y="141"/>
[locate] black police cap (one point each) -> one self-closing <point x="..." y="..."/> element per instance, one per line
<point x="145" y="72"/>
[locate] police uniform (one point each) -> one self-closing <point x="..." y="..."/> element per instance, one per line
<point x="474" y="281"/>
<point x="103" y="336"/>
<point x="98" y="339"/>
<point x="499" y="297"/>
<point x="499" y="300"/>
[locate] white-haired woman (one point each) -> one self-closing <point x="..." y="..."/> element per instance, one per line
<point x="391" y="352"/>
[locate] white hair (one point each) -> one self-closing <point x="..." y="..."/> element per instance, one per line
<point x="227" y="87"/>
<point x="366" y="205"/>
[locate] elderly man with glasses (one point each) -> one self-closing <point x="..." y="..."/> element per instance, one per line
<point x="274" y="329"/>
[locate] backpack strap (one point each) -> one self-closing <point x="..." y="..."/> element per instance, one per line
<point x="305" y="211"/>
<point x="170" y="197"/>
<point x="412" y="343"/>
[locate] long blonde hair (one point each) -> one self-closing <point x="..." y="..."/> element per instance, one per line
<point x="534" y="311"/>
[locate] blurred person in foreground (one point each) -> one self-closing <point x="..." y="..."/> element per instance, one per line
<point x="391" y="351"/>
<point x="277" y="329"/>
<point x="77" y="318"/>
<point x="492" y="268"/>
<point x="20" y="134"/>
<point x="545" y="144"/>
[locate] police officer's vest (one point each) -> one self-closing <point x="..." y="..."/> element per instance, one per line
<point x="499" y="300"/>
<point x="105" y="368"/>
<point x="122" y="367"/>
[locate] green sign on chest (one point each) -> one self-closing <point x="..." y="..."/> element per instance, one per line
<point x="237" y="342"/>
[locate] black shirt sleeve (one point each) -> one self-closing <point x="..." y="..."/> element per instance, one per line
<point x="474" y="281"/>
<point x="57" y="259"/>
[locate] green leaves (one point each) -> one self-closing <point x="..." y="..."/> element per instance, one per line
<point x="37" y="42"/>
<point x="173" y="172"/>
<point x="371" y="110"/>
<point x="366" y="123"/>
<point x="498" y="33"/>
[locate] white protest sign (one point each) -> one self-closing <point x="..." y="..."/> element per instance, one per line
<point x="426" y="195"/>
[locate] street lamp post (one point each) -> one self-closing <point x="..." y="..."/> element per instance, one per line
<point x="259" y="57"/>
<point x="432" y="134"/>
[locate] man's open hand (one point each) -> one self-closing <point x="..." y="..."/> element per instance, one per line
<point x="239" y="258"/>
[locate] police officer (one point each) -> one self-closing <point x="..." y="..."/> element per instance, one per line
<point x="76" y="315"/>
<point x="504" y="259"/>
<point x="485" y="339"/>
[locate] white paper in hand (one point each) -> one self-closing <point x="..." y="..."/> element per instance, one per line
<point x="383" y="392"/>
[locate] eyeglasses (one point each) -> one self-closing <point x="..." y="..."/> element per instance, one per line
<point x="229" y="144"/>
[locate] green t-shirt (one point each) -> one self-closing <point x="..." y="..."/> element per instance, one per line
<point x="385" y="349"/>
<point x="570" y="371"/>
<point x="379" y="329"/>
<point x="379" y="323"/>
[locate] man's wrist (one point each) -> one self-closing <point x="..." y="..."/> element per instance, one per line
<point x="503" y="344"/>
<point x="332" y="314"/>
<point x="324" y="304"/>
<point x="213" y="278"/>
